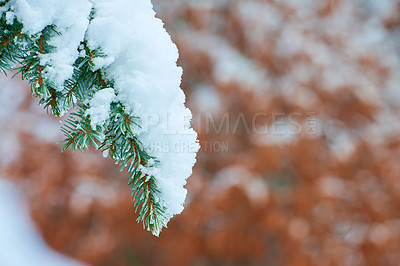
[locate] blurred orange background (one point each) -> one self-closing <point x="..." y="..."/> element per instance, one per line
<point x="297" y="108"/>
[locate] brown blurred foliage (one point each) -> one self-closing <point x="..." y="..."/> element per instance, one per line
<point x="327" y="194"/>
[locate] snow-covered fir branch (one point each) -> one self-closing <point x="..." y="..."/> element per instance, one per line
<point x="112" y="61"/>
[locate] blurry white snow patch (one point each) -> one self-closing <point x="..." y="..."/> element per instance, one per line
<point x="256" y="189"/>
<point x="89" y="190"/>
<point x="352" y="233"/>
<point x="381" y="8"/>
<point x="47" y="130"/>
<point x="9" y="148"/>
<point x="13" y="118"/>
<point x="283" y="131"/>
<point x="20" y="244"/>
<point x="12" y="95"/>
<point x="230" y="64"/>
<point x="259" y="19"/>
<point x="206" y="99"/>
<point x="340" y="141"/>
<point x="298" y="94"/>
<point x="233" y="66"/>
<point x="386" y="126"/>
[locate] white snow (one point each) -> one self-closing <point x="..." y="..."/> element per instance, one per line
<point x="99" y="110"/>
<point x="141" y="60"/>
<point x="20" y="244"/>
<point x="37" y="14"/>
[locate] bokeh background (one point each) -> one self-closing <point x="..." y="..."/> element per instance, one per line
<point x="297" y="106"/>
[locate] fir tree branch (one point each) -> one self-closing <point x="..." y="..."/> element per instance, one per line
<point x="116" y="136"/>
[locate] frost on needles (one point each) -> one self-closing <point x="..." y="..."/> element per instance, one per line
<point x="114" y="63"/>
